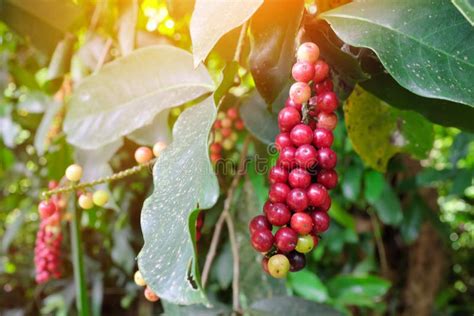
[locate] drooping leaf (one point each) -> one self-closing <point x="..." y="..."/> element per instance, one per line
<point x="429" y="53"/>
<point x="129" y="92"/>
<point x="357" y="290"/>
<point x="308" y="285"/>
<point x="441" y="112"/>
<point x="373" y="185"/>
<point x="466" y="7"/>
<point x="273" y="31"/>
<point x="388" y="206"/>
<point x="149" y="134"/>
<point x="183" y="180"/>
<point x="212" y="19"/>
<point x="379" y="131"/>
<point x="288" y="305"/>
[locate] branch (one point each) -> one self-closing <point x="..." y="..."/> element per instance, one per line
<point x="240" y="43"/>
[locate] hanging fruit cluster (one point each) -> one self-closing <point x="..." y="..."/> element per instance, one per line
<point x="298" y="199"/>
<point x="225" y="132"/>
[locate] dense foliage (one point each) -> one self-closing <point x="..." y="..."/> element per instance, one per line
<point x="89" y="82"/>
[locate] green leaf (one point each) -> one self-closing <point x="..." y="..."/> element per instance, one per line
<point x="466" y="7"/>
<point x="388" y="206"/>
<point x="308" y="285"/>
<point x="288" y="305"/>
<point x="228" y="76"/>
<point x="212" y="19"/>
<point x="357" y="290"/>
<point x="426" y="53"/>
<point x="221" y="270"/>
<point x="412" y="219"/>
<point x="52" y="109"/>
<point x="441" y="112"/>
<point x="379" y="131"/>
<point x="129" y="92"/>
<point x="60" y="63"/>
<point x="373" y="185"/>
<point x="262" y="123"/>
<point x="184" y="180"/>
<point x="342" y="216"/>
<point x="158" y="130"/>
<point x="273" y="30"/>
<point x="352" y="182"/>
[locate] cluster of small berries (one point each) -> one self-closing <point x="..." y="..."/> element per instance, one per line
<point x="298" y="198"/>
<point x="225" y="131"/>
<point x="145" y="154"/>
<point x="148" y="293"/>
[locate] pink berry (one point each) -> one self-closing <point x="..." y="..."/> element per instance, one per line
<point x="259" y="222"/>
<point x="317" y="194"/>
<point x="290" y="103"/>
<point x="46" y="209"/>
<point x="215" y="148"/>
<point x="301" y="134"/>
<point x="300" y="92"/>
<point x="232" y="113"/>
<point x="305" y="156"/>
<point x="327" y="177"/>
<point x="327" y="120"/>
<point x="143" y="155"/>
<point x="262" y="240"/>
<point x="327" y="158"/>
<point x="299" y="178"/>
<point x="287" y="157"/>
<point x="288" y="118"/>
<point x="322" y="138"/>
<point x="321" y="71"/>
<point x="286" y="239"/>
<point x="323" y="86"/>
<point x="302" y="223"/>
<point x="320" y="221"/>
<point x="327" y="102"/>
<point x="282" y="140"/>
<point x="278" y="214"/>
<point x="303" y="71"/>
<point x="278" y="192"/>
<point x="308" y="52"/>
<point x="239" y="125"/>
<point x="278" y="174"/>
<point x="297" y="200"/>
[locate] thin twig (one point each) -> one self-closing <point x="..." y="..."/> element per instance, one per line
<point x="103" y="54"/>
<point x="379" y="242"/>
<point x="212" y="249"/>
<point x="240" y="43"/>
<point x="235" y="262"/>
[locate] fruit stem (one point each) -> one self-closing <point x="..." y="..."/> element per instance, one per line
<point x="114" y="177"/>
<point x="82" y="301"/>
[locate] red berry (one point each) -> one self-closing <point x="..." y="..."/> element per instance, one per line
<point x="278" y="174"/>
<point x="217" y="124"/>
<point x="259" y="222"/>
<point x="303" y="71"/>
<point x="327" y="102"/>
<point x="299" y="178"/>
<point x="200" y="220"/>
<point x="327" y="158"/>
<point x="226" y="122"/>
<point x="215" y="148"/>
<point x="327" y="177"/>
<point x="322" y="138"/>
<point x="297" y="200"/>
<point x="52" y="184"/>
<point x="290" y="103"/>
<point x="232" y="113"/>
<point x="317" y="194"/>
<point x="287" y="157"/>
<point x="324" y="86"/>
<point x="278" y="214"/>
<point x="239" y="125"/>
<point x="321" y="71"/>
<point x="300" y="92"/>
<point x="215" y="157"/>
<point x="267" y="206"/>
<point x="288" y="118"/>
<point x="301" y="134"/>
<point x="262" y="240"/>
<point x="305" y="156"/>
<point x="327" y="120"/>
<point x="301" y="223"/>
<point x="278" y="192"/>
<point x="308" y="52"/>
<point x="320" y="221"/>
<point x="297" y="261"/>
<point x="286" y="239"/>
<point x="282" y="140"/>
<point x="46" y="209"/>
<point x="226" y="132"/>
<point x="325" y="206"/>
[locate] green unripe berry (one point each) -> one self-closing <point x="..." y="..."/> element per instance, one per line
<point x="85" y="201"/>
<point x="74" y="173"/>
<point x="305" y="244"/>
<point x="100" y="197"/>
<point x="278" y="266"/>
<point x="228" y="144"/>
<point x="138" y="278"/>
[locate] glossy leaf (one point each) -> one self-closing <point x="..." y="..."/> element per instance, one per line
<point x="307" y="285"/>
<point x="388" y="206"/>
<point x="340" y="215"/>
<point x="212" y="19"/>
<point x="466" y="7"/>
<point x="374" y="183"/>
<point x="288" y="305"/>
<point x="183" y="180"/>
<point x="352" y="182"/>
<point x="273" y="31"/>
<point x="429" y="53"/>
<point x="379" y="131"/>
<point x="129" y="92"/>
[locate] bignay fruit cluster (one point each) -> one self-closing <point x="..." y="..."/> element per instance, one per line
<point x="298" y="199"/>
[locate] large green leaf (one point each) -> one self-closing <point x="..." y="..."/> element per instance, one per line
<point x="308" y="285"/>
<point x="388" y="206"/>
<point x="212" y="19"/>
<point x="288" y="305"/>
<point x="129" y="92"/>
<point x="183" y="180"/>
<point x="357" y="290"/>
<point x="438" y="111"/>
<point x="351" y="183"/>
<point x="466" y="7"/>
<point x="273" y="30"/>
<point x="425" y="45"/>
<point x="379" y="131"/>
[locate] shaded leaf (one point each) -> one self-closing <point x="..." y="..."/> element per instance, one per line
<point x="212" y="19"/>
<point x="340" y="215"/>
<point x="228" y="76"/>
<point x="288" y="305"/>
<point x="273" y="30"/>
<point x="308" y="285"/>
<point x="60" y="63"/>
<point x="41" y="135"/>
<point x="420" y="58"/>
<point x="351" y="183"/>
<point x="183" y="180"/>
<point x="129" y="92"/>
<point x="388" y="206"/>
<point x="149" y="134"/>
<point x="374" y="183"/>
<point x="412" y="219"/>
